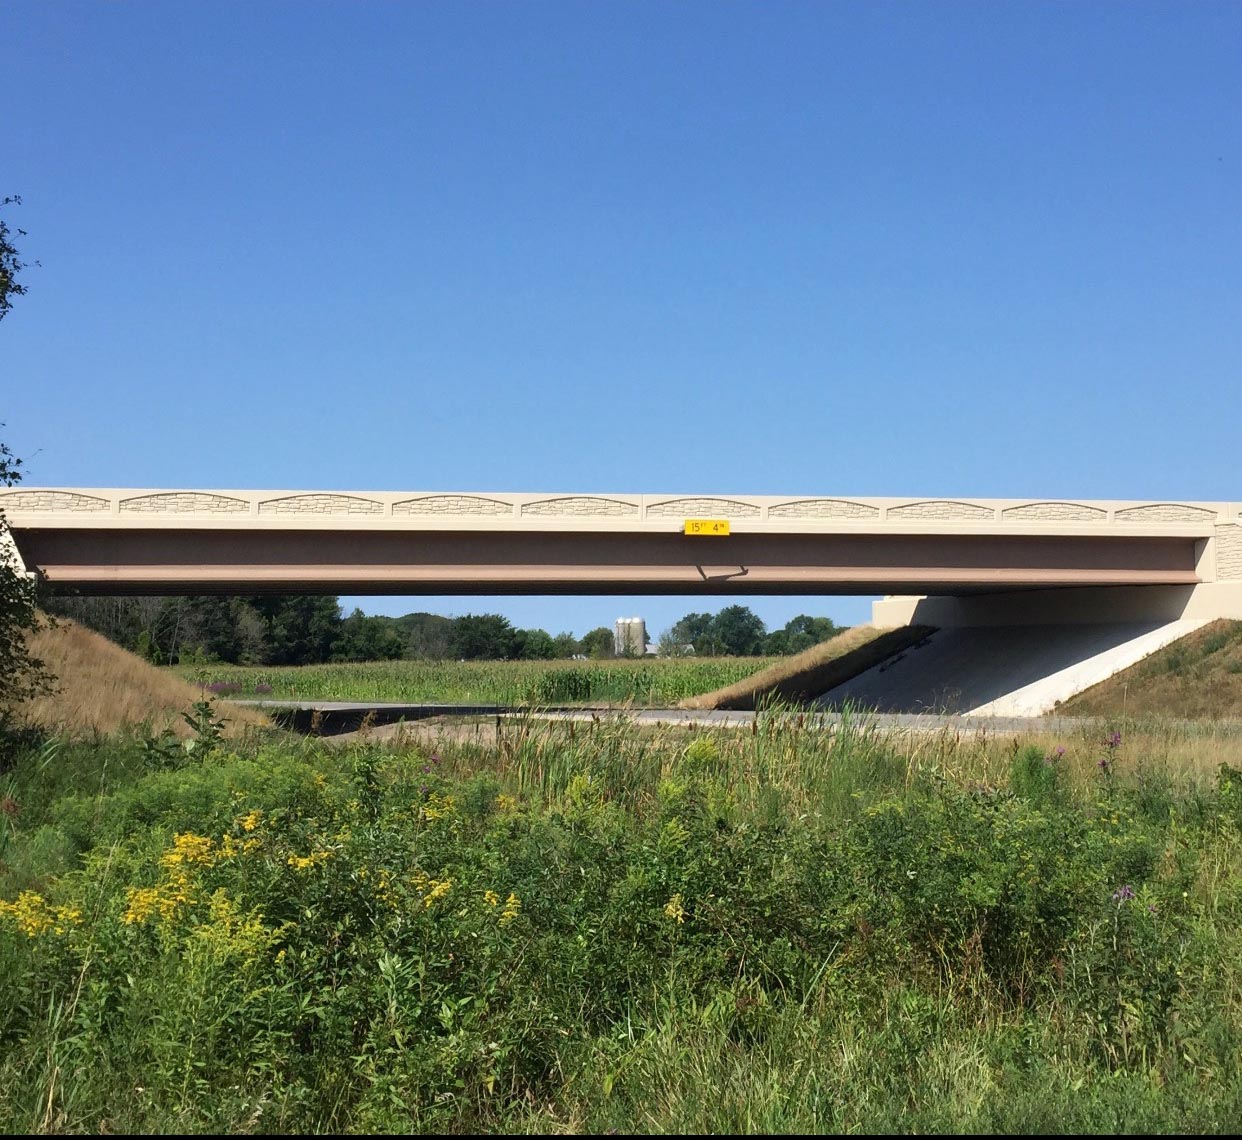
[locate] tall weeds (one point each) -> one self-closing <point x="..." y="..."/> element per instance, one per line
<point x="586" y="926"/>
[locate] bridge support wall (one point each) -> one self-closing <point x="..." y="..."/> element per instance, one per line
<point x="10" y="554"/>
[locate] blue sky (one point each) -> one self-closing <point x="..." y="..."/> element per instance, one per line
<point x="821" y="248"/>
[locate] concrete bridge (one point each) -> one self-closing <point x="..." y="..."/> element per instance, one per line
<point x="944" y="562"/>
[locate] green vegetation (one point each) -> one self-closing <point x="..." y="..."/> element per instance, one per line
<point x="1197" y="677"/>
<point x="22" y="675"/>
<point x="11" y="263"/>
<point x="654" y="683"/>
<point x="583" y="928"/>
<point x="736" y="631"/>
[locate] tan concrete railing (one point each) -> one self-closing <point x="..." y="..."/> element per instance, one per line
<point x="430" y="510"/>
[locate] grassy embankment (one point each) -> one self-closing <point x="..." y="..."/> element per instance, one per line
<point x="644" y="682"/>
<point x="584" y="928"/>
<point x="1197" y="677"/>
<point x="102" y="688"/>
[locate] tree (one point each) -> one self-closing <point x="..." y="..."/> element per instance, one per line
<point x="300" y="630"/>
<point x="483" y="637"/>
<point x="363" y="638"/>
<point x="698" y="631"/>
<point x="251" y="630"/>
<point x="566" y="645"/>
<point x="598" y="643"/>
<point x="739" y="631"/>
<point x="670" y="645"/>
<point x="801" y="633"/>
<point x="534" y="645"/>
<point x="122" y="620"/>
<point x="428" y="636"/>
<point x="10" y="266"/>
<point x="213" y="627"/>
<point x="735" y="632"/>
<point x="22" y="675"/>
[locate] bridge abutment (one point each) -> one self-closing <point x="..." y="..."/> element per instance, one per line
<point x="1094" y="605"/>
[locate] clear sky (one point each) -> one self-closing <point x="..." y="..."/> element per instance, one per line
<point x="809" y="248"/>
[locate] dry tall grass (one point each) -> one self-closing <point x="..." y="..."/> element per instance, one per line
<point x="1198" y="677"/>
<point x="814" y="671"/>
<point x="102" y="688"/>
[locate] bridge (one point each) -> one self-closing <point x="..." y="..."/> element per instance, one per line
<point x="942" y="561"/>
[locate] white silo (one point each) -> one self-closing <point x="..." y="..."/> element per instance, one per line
<point x="629" y="637"/>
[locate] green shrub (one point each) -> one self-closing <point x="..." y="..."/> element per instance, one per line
<point x="1035" y="777"/>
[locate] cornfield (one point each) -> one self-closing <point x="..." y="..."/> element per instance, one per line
<point x="537" y="683"/>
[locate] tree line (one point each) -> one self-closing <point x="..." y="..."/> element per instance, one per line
<point x="736" y="631"/>
<point x="312" y="630"/>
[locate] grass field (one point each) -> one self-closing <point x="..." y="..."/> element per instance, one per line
<point x="651" y="683"/>
<point x="588" y="928"/>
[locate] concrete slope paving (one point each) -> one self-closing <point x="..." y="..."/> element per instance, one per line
<point x="1002" y="671"/>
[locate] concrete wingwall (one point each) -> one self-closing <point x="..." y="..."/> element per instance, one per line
<point x="9" y="552"/>
<point x="1021" y="652"/>
<point x="1004" y="670"/>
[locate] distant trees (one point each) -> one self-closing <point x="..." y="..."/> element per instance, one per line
<point x="669" y="644"/>
<point x="697" y="633"/>
<point x="800" y="633"/>
<point x="362" y="638"/>
<point x="427" y="636"/>
<point x="736" y="631"/>
<point x="598" y="642"/>
<point x="299" y="630"/>
<point x="565" y="645"/>
<point x="482" y="637"/>
<point x="244" y="631"/>
<point x="491" y="637"/>
<point x="534" y="645"/>
<point x="739" y="632"/>
<point x="309" y="630"/>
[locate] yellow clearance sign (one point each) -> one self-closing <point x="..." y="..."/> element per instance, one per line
<point x="707" y="526"/>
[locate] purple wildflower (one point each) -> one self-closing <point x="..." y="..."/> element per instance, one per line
<point x="435" y="759"/>
<point x="426" y="768"/>
<point x="1113" y="741"/>
<point x="1123" y="894"/>
<point x="263" y="688"/>
<point x="1105" y="765"/>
